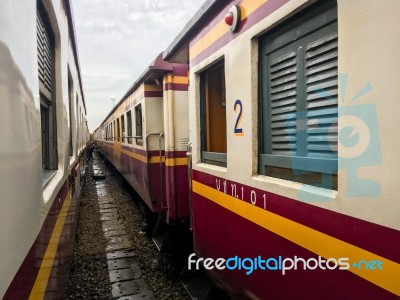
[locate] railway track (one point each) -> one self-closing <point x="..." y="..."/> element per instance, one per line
<point x="113" y="258"/>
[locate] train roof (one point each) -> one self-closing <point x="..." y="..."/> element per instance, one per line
<point x="71" y="26"/>
<point x="157" y="67"/>
<point x="154" y="70"/>
<point x="178" y="50"/>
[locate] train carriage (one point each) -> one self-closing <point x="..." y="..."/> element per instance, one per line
<point x="44" y="136"/>
<point x="145" y="137"/>
<point x="293" y="125"/>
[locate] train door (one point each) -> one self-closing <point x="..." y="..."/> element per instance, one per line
<point x="213" y="110"/>
<point x="151" y="112"/>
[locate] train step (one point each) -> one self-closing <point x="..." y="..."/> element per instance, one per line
<point x="197" y="287"/>
<point x="158" y="241"/>
<point x="161" y="235"/>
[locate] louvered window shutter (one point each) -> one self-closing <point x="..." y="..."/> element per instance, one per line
<point x="321" y="97"/>
<point x="45" y="57"/>
<point x="283" y="78"/>
<point x="300" y="91"/>
<point x="46" y="76"/>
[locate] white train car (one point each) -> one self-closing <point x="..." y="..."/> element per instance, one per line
<point x="145" y="137"/>
<point x="295" y="159"/>
<point x="43" y="134"/>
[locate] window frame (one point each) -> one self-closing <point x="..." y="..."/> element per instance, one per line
<point x="211" y="157"/>
<point x="123" y="127"/>
<point x="129" y="125"/>
<point x="118" y="130"/>
<point x="310" y="22"/>
<point x="47" y="87"/>
<point x="70" y="105"/>
<point x="114" y="129"/>
<point x="139" y="124"/>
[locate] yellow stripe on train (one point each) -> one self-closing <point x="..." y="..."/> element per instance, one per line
<point x="169" y="162"/>
<point x="177" y="79"/>
<point x="153" y="88"/>
<point x="308" y="238"/>
<point x="246" y="8"/>
<point x="40" y="285"/>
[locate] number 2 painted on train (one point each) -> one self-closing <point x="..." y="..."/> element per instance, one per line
<point x="237" y="130"/>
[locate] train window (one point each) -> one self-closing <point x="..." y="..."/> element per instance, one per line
<point x="299" y="91"/>
<point x="129" y="125"/>
<point x="123" y="128"/>
<point x="114" y="130"/>
<point x="77" y="119"/>
<point x="79" y="128"/>
<point x="82" y="132"/>
<point x="118" y="131"/>
<point x="139" y="125"/>
<point x="70" y="101"/>
<point x="46" y="69"/>
<point x="213" y="115"/>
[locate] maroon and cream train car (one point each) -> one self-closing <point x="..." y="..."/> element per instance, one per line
<point x="43" y="138"/>
<point x="293" y="117"/>
<point x="145" y="137"/>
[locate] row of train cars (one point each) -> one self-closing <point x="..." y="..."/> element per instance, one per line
<point x="267" y="129"/>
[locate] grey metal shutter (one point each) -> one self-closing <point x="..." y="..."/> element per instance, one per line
<point x="300" y="88"/>
<point x="45" y="46"/>
<point x="322" y="97"/>
<point x="46" y="76"/>
<point x="283" y="77"/>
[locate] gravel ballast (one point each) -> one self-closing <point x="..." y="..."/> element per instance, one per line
<point x="89" y="278"/>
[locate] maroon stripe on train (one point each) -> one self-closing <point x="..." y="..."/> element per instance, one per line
<point x="219" y="232"/>
<point x="219" y="43"/>
<point x="24" y="279"/>
<point x="59" y="276"/>
<point x="176" y="178"/>
<point x="213" y="21"/>
<point x="141" y="151"/>
<point x="176" y="86"/>
<point x="168" y="154"/>
<point x="375" y="238"/>
<point x="153" y="93"/>
<point x="176" y="190"/>
<point x="134" y="150"/>
<point x="175" y="182"/>
<point x="260" y="13"/>
<point x="175" y="154"/>
<point x="136" y="173"/>
<point x="180" y="69"/>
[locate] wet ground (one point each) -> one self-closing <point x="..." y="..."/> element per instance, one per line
<point x="113" y="257"/>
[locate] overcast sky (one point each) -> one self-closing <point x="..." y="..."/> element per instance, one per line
<point x="117" y="40"/>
